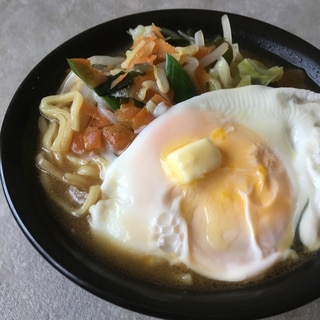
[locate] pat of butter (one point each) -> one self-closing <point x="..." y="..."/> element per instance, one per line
<point x="192" y="161"/>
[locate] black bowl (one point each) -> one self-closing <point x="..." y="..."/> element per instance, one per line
<point x="35" y="215"/>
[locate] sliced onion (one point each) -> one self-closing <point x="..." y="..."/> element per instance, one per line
<point x="226" y="28"/>
<point x="199" y="38"/>
<point x="160" y="109"/>
<point x="106" y="60"/>
<point x="214" y="55"/>
<point x="192" y="64"/>
<point x="161" y="79"/>
<point x="70" y="83"/>
<point x="101" y="106"/>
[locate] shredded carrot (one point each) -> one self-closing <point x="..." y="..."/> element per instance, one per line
<point x="161" y="49"/>
<point x="157" y="31"/>
<point x="148" y="44"/>
<point x="141" y="52"/>
<point x="152" y="49"/>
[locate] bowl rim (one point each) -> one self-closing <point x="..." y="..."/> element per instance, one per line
<point x="275" y="296"/>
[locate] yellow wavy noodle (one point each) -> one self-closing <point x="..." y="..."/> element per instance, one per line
<point x="100" y="162"/>
<point x="75" y="179"/>
<point x="92" y="197"/>
<point x="48" y="166"/>
<point x="50" y="135"/>
<point x="72" y="181"/>
<point x="59" y="158"/>
<point x="88" y="170"/>
<point x="63" y="108"/>
<point x="76" y="160"/>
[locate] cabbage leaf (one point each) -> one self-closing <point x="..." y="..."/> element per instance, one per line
<point x="258" y="73"/>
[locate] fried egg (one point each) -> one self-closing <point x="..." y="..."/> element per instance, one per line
<point x="220" y="182"/>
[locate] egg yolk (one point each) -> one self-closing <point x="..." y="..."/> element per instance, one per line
<point x="243" y="207"/>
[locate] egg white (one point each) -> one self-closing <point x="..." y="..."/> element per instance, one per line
<point x="140" y="207"/>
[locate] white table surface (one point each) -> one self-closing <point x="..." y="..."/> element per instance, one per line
<point x="30" y="288"/>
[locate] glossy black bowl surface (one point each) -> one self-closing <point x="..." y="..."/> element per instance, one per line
<point x="34" y="214"/>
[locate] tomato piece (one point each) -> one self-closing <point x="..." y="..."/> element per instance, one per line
<point x="142" y="118"/>
<point x="118" y="136"/>
<point x="98" y="120"/>
<point x="127" y="112"/>
<point x="77" y="144"/>
<point x="92" y="139"/>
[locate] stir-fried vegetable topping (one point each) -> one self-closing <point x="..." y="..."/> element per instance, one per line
<point x="162" y="67"/>
<point x="258" y="73"/>
<point x="179" y="80"/>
